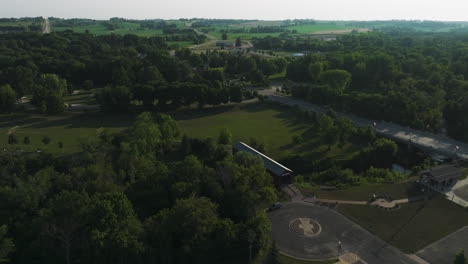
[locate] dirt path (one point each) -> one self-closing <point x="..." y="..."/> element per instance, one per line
<point x="46" y="29"/>
<point x="212" y="40"/>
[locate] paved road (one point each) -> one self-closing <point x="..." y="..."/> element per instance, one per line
<point x="335" y="228"/>
<point x="425" y="140"/>
<point x="443" y="251"/>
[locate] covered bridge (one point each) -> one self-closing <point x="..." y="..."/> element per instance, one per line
<point x="281" y="174"/>
<point x="441" y="176"/>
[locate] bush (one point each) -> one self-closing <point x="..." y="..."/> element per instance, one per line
<point x="46" y="140"/>
<point x="12" y="139"/>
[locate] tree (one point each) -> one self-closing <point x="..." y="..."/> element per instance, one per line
<point x="6" y="244"/>
<point x="384" y="152"/>
<point x="46" y="140"/>
<point x="60" y="144"/>
<point x="145" y="135"/>
<point x="235" y="94"/>
<point x="49" y="92"/>
<point x="224" y="36"/>
<point x="88" y="85"/>
<point x="238" y="42"/>
<point x="184" y="232"/>
<point x="55" y="103"/>
<point x="315" y="70"/>
<point x="185" y="145"/>
<point x="115" y="97"/>
<point x="169" y="129"/>
<point x="113" y="228"/>
<point x="274" y="256"/>
<point x="64" y="221"/>
<point x="225" y="136"/>
<point x="12" y="139"/>
<point x="460" y="258"/>
<point x="7" y="99"/>
<point x="337" y="80"/>
<point x="26" y="140"/>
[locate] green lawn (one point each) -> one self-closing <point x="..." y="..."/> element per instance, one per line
<point x="414" y="225"/>
<point x="182" y="44"/>
<point x="68" y="128"/>
<point x="272" y="124"/>
<point x="275" y="126"/>
<point x="288" y="260"/>
<point x="365" y="192"/>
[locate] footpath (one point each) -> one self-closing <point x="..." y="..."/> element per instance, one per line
<point x="296" y="196"/>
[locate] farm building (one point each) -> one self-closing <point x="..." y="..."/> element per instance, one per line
<point x="441" y="176"/>
<point x="226" y="44"/>
<point x="280" y="173"/>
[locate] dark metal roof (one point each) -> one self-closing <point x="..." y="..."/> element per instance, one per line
<point x="444" y="172"/>
<point x="270" y="164"/>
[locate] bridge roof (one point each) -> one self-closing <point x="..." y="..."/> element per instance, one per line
<point x="270" y="164"/>
<point x="444" y="172"/>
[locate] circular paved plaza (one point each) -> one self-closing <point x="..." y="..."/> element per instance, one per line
<point x="308" y="231"/>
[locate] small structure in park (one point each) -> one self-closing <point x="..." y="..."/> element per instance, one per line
<point x="280" y="173"/>
<point x="442" y="176"/>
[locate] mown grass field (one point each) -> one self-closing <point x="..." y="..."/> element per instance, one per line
<point x="181" y="44"/>
<point x="272" y="124"/>
<point x="363" y="193"/>
<point x="288" y="260"/>
<point x="67" y="128"/>
<point x="413" y="226"/>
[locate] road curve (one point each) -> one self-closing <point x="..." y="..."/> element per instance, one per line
<point x="425" y="140"/>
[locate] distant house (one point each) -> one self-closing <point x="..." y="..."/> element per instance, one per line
<point x="226" y="44"/>
<point x="441" y="176"/>
<point x="281" y="174"/>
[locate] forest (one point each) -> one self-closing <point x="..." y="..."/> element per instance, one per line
<point x="416" y="79"/>
<point x="138" y="197"/>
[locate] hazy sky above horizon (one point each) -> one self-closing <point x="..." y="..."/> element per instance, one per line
<point x="448" y="10"/>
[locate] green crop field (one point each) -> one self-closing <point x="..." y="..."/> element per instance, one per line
<point x="233" y="36"/>
<point x="318" y="27"/>
<point x="100" y="29"/>
<point x="414" y="225"/>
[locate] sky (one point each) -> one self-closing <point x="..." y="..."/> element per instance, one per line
<point x="445" y="10"/>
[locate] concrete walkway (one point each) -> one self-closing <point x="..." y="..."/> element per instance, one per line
<point x="296" y="195"/>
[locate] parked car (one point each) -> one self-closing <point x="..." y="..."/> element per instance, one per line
<point x="274" y="207"/>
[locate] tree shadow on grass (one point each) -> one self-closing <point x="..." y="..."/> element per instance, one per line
<point x="93" y="120"/>
<point x="22" y="121"/>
